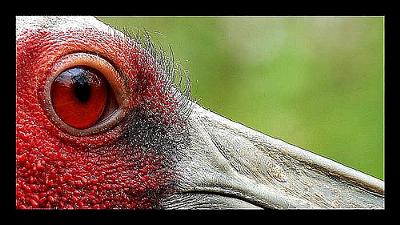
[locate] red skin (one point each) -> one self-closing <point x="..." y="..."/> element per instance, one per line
<point x="59" y="170"/>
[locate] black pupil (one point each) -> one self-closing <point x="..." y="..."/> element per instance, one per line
<point x="81" y="84"/>
<point x="82" y="80"/>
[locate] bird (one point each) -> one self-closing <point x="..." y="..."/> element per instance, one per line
<point x="102" y="124"/>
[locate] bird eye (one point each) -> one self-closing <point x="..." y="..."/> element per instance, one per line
<point x="85" y="94"/>
<point x="79" y="96"/>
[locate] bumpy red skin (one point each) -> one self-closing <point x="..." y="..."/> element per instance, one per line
<point x="59" y="170"/>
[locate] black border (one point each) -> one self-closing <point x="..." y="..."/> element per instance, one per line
<point x="127" y="216"/>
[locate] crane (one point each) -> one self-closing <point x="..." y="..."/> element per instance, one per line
<point x="101" y="124"/>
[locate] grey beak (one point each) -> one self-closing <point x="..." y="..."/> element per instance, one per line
<point x="231" y="166"/>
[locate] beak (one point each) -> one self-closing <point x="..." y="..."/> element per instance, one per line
<point x="231" y="166"/>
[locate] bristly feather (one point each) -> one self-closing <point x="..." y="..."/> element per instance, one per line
<point x="174" y="76"/>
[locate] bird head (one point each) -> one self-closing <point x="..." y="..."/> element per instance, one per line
<point x="100" y="123"/>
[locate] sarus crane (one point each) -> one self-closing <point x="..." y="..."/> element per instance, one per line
<point x="100" y="123"/>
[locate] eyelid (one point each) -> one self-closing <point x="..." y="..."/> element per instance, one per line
<point x="114" y="79"/>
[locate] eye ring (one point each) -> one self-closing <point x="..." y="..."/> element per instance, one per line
<point x="114" y="79"/>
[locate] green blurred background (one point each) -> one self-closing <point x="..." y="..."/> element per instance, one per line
<point x="316" y="82"/>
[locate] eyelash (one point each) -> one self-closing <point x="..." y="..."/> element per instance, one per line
<point x="175" y="78"/>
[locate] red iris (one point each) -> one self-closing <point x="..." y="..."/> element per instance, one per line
<point x="79" y="96"/>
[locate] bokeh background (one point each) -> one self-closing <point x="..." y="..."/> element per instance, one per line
<point x="316" y="82"/>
